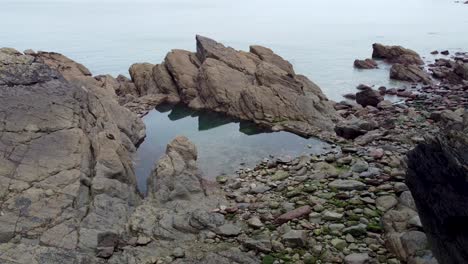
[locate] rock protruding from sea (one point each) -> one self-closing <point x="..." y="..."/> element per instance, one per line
<point x="437" y="177"/>
<point x="258" y="85"/>
<point x="366" y="64"/>
<point x="396" y="54"/>
<point x="406" y="63"/>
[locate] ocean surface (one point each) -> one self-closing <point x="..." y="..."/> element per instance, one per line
<point x="320" y="38"/>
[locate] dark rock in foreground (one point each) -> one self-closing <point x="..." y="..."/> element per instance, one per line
<point x="437" y="177"/>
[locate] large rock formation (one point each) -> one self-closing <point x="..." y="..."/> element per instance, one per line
<point x="257" y="85"/>
<point x="67" y="182"/>
<point x="437" y="177"/>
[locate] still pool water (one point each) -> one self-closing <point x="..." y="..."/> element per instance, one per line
<point x="224" y="145"/>
<point x="321" y="39"/>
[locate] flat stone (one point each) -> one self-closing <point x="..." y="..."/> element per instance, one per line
<point x="280" y="175"/>
<point x="295" y="238"/>
<point x="294" y="214"/>
<point x="386" y="202"/>
<point x="331" y="216"/>
<point x="255" y="222"/>
<point x="347" y="185"/>
<point x="228" y="230"/>
<point x="357" y="230"/>
<point x="357" y="258"/>
<point x="339" y="244"/>
<point x="360" y="166"/>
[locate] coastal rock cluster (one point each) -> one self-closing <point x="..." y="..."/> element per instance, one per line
<point x="68" y="189"/>
<point x="257" y="85"/>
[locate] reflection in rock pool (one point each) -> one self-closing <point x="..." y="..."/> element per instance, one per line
<point x="223" y="144"/>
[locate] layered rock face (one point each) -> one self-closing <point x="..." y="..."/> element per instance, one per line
<point x="437" y="176"/>
<point x="67" y="182"/>
<point x="257" y="85"/>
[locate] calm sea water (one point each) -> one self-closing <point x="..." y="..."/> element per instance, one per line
<point x="321" y="38"/>
<point x="223" y="144"/>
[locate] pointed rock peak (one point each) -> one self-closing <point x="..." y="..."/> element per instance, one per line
<point x="184" y="147"/>
<point x="209" y="48"/>
<point x="268" y="55"/>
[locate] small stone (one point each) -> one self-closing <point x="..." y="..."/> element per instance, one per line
<point x="376" y="153"/>
<point x="295" y="238"/>
<point x="415" y="221"/>
<point x="349" y="238"/>
<point x="400" y="187"/>
<point x="339" y="244"/>
<point x="357" y="230"/>
<point x="178" y="253"/>
<point x="336" y="227"/>
<point x="221" y="179"/>
<point x="280" y="175"/>
<point x="360" y="166"/>
<point x="228" y="230"/>
<point x="331" y="216"/>
<point x="347" y="185"/>
<point x="255" y="222"/>
<point x="294" y="214"/>
<point x="386" y="202"/>
<point x="318" y="208"/>
<point x="357" y="258"/>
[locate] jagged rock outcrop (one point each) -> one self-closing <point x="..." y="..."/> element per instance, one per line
<point x="437" y="177"/>
<point x="66" y="158"/>
<point x="409" y="73"/>
<point x="181" y="208"/>
<point x="396" y="54"/>
<point x="257" y="85"/>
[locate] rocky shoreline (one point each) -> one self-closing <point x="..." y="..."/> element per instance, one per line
<point x="67" y="186"/>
